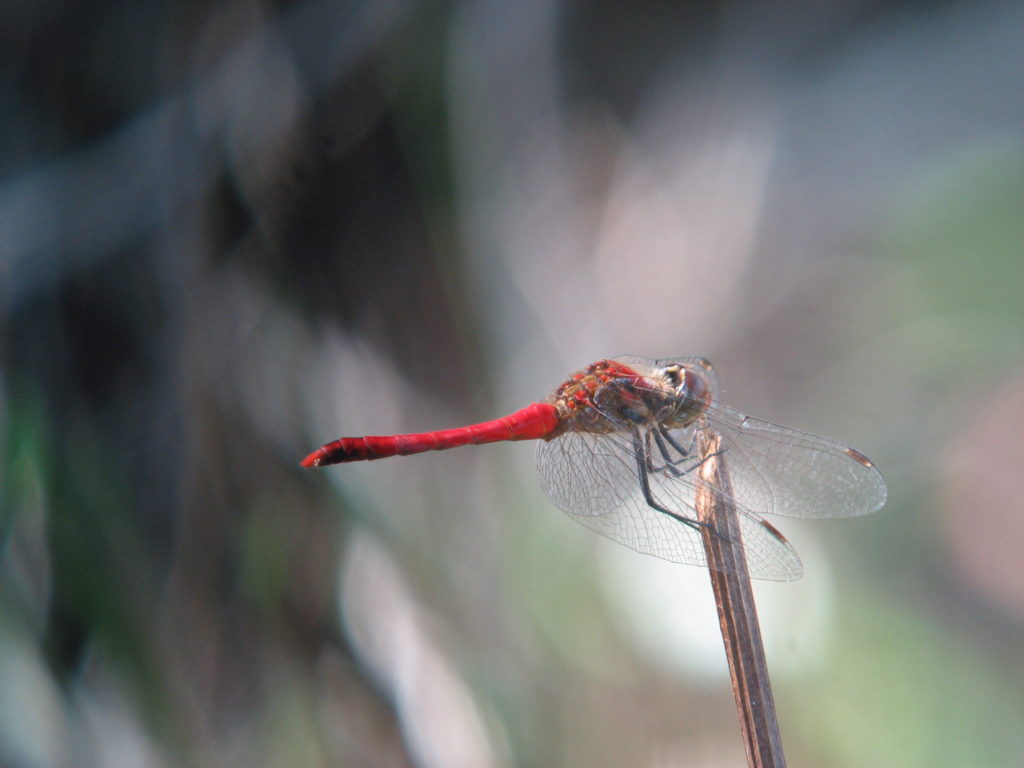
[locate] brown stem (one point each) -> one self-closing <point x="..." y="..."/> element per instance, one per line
<point x="737" y="613"/>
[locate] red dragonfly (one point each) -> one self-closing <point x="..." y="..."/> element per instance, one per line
<point x="618" y="456"/>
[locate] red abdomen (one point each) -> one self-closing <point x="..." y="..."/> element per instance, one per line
<point x="533" y="422"/>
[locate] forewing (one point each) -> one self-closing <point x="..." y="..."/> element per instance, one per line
<point x="594" y="478"/>
<point x="783" y="471"/>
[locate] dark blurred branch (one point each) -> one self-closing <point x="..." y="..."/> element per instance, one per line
<point x="737" y="613"/>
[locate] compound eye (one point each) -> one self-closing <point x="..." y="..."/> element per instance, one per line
<point x="696" y="386"/>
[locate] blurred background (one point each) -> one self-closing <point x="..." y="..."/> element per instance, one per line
<point x="230" y="232"/>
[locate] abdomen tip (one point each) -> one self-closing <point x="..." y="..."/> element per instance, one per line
<point x="313" y="460"/>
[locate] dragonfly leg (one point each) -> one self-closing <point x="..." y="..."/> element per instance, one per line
<point x="670" y="463"/>
<point x="683" y="452"/>
<point x="661" y="436"/>
<point x="641" y="452"/>
<point x="648" y="454"/>
<point x="673" y="470"/>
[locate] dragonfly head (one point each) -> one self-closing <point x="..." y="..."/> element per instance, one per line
<point x="692" y="394"/>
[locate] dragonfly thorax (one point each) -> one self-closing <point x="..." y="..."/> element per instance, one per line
<point x="610" y="396"/>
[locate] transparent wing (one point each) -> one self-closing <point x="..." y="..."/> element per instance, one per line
<point x="782" y="471"/>
<point x="594" y="478"/>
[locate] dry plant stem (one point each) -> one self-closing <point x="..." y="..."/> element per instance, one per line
<point x="737" y="613"/>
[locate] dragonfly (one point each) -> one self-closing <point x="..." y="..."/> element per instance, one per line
<point x="617" y="454"/>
